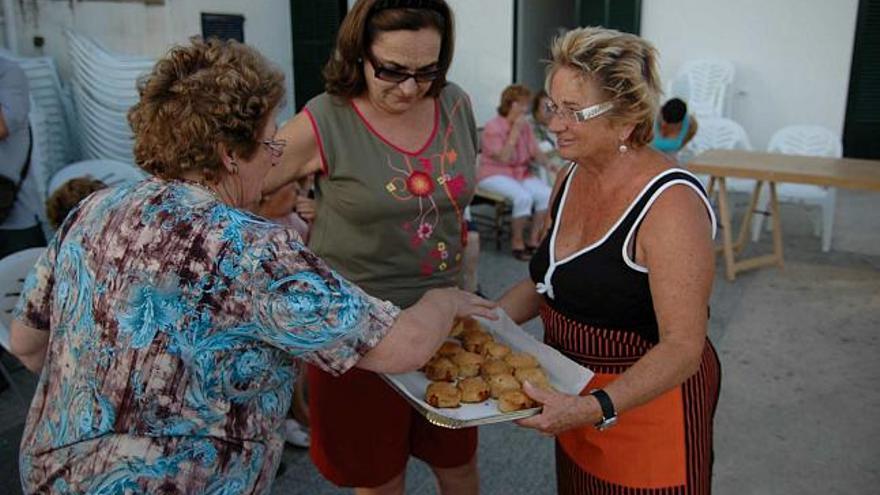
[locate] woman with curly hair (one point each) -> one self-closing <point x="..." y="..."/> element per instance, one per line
<point x="167" y="320"/>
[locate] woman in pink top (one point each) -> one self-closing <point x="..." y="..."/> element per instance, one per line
<point x="508" y="149"/>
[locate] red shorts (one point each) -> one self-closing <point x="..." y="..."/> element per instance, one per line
<point x="363" y="432"/>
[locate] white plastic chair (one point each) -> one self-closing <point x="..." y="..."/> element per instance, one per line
<point x="724" y="134"/>
<point x="703" y="85"/>
<point x="110" y="172"/>
<point x="13" y="270"/>
<point x="806" y="140"/>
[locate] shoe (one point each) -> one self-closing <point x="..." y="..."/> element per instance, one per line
<point x="295" y="434"/>
<point x="521" y="254"/>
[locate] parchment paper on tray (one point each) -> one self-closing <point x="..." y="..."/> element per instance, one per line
<point x="565" y="375"/>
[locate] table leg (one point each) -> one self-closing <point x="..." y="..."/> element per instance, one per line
<point x="777" y="226"/>
<point x="726" y="230"/>
<point x="745" y="228"/>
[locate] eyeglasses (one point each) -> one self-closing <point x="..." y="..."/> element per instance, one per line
<point x="399" y="76"/>
<point x="581" y="115"/>
<point x="275" y="146"/>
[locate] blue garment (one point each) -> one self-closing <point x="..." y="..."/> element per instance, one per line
<point x="673" y="144"/>
<point x="174" y="322"/>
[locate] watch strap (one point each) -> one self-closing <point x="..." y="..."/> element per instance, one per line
<point x="605" y="403"/>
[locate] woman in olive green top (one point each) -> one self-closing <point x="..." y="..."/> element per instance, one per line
<point x="394" y="147"/>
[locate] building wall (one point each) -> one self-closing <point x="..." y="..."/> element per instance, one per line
<point x="792" y="57"/>
<point x="483" y="61"/>
<point x="137" y="29"/>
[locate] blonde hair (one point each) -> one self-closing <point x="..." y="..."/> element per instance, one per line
<point x="623" y="65"/>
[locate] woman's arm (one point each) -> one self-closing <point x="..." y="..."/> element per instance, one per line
<point x="521" y="302"/>
<point x="500" y="145"/>
<point x="421" y="328"/>
<point x="29" y="345"/>
<point x="692" y="131"/>
<point x="675" y="245"/>
<point x="301" y="155"/>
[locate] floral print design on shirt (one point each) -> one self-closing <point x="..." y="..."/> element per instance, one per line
<point x="418" y="180"/>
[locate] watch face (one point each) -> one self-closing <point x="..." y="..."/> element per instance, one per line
<point x="606" y="423"/>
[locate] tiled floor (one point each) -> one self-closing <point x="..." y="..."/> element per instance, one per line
<point x="800" y="394"/>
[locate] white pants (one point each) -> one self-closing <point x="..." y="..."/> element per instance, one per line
<point x="525" y="195"/>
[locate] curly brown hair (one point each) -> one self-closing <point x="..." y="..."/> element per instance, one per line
<point x="68" y="196"/>
<point x="624" y="66"/>
<point x="512" y="93"/>
<point x="198" y="96"/>
<point x="344" y="73"/>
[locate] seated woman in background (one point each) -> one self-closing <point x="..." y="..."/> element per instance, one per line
<point x="168" y="321"/>
<point x="508" y="149"/>
<point x="674" y="128"/>
<point x="540" y="121"/>
<point x="67" y="197"/>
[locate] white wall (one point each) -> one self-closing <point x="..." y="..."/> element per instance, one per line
<point x="792" y="56"/>
<point x="483" y="61"/>
<point x="136" y="29"/>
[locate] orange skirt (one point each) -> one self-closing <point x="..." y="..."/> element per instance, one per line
<point x="662" y="447"/>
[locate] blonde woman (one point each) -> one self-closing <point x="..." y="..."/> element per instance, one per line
<point x="622" y="282"/>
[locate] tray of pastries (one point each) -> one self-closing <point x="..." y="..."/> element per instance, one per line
<point x="476" y="376"/>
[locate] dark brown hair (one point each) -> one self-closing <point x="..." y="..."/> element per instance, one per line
<point x="511" y="94"/>
<point x="199" y="95"/>
<point x="68" y="196"/>
<point x="344" y="73"/>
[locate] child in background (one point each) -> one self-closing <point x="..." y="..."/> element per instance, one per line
<point x="68" y="196"/>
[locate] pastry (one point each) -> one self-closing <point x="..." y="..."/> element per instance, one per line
<point x="457" y="328"/>
<point x="521" y="360"/>
<point x="495" y="367"/>
<point x="495" y="350"/>
<point x="441" y="369"/>
<point x="498" y="384"/>
<point x="443" y="394"/>
<point x="476" y="341"/>
<point x="514" y="400"/>
<point x="448" y="349"/>
<point x="473" y="389"/>
<point x="468" y="364"/>
<point x="535" y="376"/>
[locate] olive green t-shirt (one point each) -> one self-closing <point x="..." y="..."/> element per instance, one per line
<point x="389" y="219"/>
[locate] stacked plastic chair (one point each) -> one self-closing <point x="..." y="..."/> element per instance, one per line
<point x="104" y="88"/>
<point x="703" y="84"/>
<point x="55" y="107"/>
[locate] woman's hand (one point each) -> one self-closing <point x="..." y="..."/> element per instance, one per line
<point x="305" y="208"/>
<point x="561" y="412"/>
<point x="468" y="304"/>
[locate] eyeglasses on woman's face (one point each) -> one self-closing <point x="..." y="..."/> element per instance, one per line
<point x="387" y="74"/>
<point x="275" y="146"/>
<point x="581" y="115"/>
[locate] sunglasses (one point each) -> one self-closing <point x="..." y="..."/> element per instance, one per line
<point x="398" y="76"/>
<point x="581" y="115"/>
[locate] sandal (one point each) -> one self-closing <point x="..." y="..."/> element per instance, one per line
<point x="521" y="254"/>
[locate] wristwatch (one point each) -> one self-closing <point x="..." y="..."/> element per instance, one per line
<point x="609" y="415"/>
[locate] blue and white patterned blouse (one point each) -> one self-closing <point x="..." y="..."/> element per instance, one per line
<point x="174" y="324"/>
